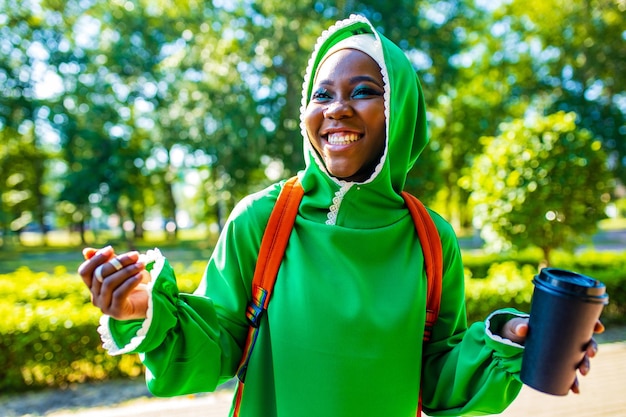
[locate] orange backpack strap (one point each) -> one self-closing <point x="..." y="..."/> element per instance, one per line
<point x="433" y="259"/>
<point x="271" y="254"/>
<point x="273" y="245"/>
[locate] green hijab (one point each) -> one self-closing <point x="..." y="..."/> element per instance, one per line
<point x="375" y="202"/>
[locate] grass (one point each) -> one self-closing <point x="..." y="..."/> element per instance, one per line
<point x="65" y="249"/>
<point x="612" y="224"/>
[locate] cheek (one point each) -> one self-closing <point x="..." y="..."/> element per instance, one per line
<point x="312" y="119"/>
<point x="378" y="122"/>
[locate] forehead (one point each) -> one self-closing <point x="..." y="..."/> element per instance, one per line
<point x="347" y="63"/>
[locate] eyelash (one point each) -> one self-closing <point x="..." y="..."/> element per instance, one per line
<point x="366" y="91"/>
<point x="323" y="93"/>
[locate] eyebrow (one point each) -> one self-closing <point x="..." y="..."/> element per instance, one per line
<point x="354" y="80"/>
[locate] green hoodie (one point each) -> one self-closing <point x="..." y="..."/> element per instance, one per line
<point x="343" y="332"/>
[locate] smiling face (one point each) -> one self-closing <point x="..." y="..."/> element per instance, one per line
<point x="345" y="118"/>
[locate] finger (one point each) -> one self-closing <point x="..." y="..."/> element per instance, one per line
<point x="516" y="329"/>
<point x="97" y="273"/>
<point x="88" y="253"/>
<point x="521" y="329"/>
<point x="117" y="280"/>
<point x="592" y="348"/>
<point x="599" y="327"/>
<point x="116" y="263"/>
<point x="120" y="298"/>
<point x="575" y="387"/>
<point x="146" y="277"/>
<point x="86" y="269"/>
<point x="584" y="366"/>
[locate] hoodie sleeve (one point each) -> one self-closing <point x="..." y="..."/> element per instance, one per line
<point x="192" y="342"/>
<point x="467" y="371"/>
<point x="185" y="344"/>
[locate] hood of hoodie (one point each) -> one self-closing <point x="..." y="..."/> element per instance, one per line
<point x="376" y="202"/>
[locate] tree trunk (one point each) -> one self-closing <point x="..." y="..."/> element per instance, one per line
<point x="171" y="226"/>
<point x="81" y="231"/>
<point x="547" y="251"/>
<point x="137" y="219"/>
<point x="220" y="214"/>
<point x="43" y="229"/>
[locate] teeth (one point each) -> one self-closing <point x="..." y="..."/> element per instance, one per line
<point x="342" y="138"/>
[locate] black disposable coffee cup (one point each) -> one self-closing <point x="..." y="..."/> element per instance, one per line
<point x="564" y="310"/>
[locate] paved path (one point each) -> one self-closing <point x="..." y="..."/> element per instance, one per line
<point x="603" y="394"/>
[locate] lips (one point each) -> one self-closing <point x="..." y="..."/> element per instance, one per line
<point x="342" y="138"/>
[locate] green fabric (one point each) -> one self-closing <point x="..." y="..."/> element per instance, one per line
<point x="343" y="332"/>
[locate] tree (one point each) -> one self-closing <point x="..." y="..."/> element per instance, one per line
<point x="579" y="56"/>
<point x="543" y="181"/>
<point x="24" y="40"/>
<point x="152" y="91"/>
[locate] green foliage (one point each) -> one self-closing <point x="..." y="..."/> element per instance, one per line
<point x="542" y="182"/>
<point x="506" y="285"/>
<point x="114" y="107"/>
<point x="610" y="268"/>
<point x="48" y="335"/>
<point x="477" y="264"/>
<point x="23" y="169"/>
<point x="507" y="281"/>
<point x="579" y="54"/>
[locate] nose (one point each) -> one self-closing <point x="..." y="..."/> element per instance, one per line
<point x="338" y="109"/>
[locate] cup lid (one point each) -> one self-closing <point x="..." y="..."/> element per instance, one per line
<point x="571" y="282"/>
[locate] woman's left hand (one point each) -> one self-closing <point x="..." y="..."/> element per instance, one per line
<point x="516" y="330"/>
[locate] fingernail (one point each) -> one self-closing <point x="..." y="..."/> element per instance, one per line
<point x="521" y="329"/>
<point x="105" y="250"/>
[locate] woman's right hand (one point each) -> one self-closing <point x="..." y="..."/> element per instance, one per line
<point x="114" y="282"/>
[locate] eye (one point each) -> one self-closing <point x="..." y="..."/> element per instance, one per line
<point x="366" y="92"/>
<point x="320" y="94"/>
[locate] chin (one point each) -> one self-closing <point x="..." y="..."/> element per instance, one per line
<point x="342" y="175"/>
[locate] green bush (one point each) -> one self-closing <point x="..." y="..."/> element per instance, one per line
<point x="610" y="268"/>
<point x="508" y="283"/>
<point x="477" y="264"/>
<point x="48" y="335"/>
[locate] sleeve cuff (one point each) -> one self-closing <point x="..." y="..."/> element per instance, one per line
<point x="496" y="320"/>
<point x="126" y="336"/>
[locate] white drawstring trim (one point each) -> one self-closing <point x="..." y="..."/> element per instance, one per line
<point x="331" y="219"/>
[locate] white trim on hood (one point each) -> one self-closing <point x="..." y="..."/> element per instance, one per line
<point x="344" y="186"/>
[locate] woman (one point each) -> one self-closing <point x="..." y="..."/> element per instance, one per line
<point x="343" y="332"/>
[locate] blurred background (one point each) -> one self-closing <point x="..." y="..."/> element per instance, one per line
<point x="141" y="123"/>
<point x="127" y="117"/>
